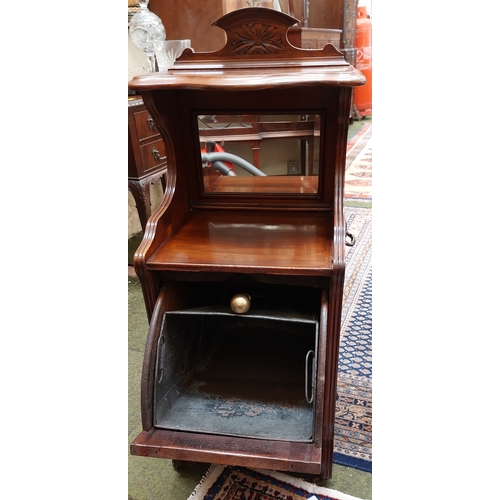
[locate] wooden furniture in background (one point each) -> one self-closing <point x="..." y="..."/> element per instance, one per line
<point x="314" y="38"/>
<point x="254" y="131"/>
<point x="146" y="157"/>
<point x="255" y="389"/>
<point x="193" y="19"/>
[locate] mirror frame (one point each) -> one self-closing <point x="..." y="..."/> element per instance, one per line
<point x="266" y="194"/>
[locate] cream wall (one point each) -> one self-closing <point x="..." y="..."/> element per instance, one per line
<point x="137" y="60"/>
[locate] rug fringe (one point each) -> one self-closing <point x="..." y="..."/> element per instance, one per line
<point x="208" y="479"/>
<point x="309" y="487"/>
<point x="214" y="472"/>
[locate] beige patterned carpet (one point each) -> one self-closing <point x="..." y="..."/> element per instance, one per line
<point x="358" y="175"/>
<point x="353" y="421"/>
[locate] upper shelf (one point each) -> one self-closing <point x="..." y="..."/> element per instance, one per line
<point x="257" y="55"/>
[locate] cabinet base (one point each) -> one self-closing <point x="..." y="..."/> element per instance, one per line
<point x="192" y="447"/>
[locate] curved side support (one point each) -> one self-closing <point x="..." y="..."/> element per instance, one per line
<point x="211" y="157"/>
<point x="172" y="296"/>
<point x="335" y="292"/>
<point x="163" y="221"/>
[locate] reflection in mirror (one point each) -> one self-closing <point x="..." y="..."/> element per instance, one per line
<point x="260" y="154"/>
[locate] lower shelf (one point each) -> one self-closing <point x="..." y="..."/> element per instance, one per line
<point x="246" y="452"/>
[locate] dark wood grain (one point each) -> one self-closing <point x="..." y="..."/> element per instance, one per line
<point x="291" y="244"/>
<point x="191" y="19"/>
<point x="274" y="236"/>
<point x="260" y="453"/>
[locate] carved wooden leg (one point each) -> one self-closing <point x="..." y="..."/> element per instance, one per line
<point x="140" y="190"/>
<point x="164" y="181"/>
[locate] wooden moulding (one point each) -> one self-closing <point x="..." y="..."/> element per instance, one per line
<point x="257" y="55"/>
<point x="246" y="452"/>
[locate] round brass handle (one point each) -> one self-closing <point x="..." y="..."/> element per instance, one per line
<point x="240" y="303"/>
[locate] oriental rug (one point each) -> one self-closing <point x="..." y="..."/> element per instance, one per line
<point x="225" y="483"/>
<point x="353" y="419"/>
<point x="358" y="175"/>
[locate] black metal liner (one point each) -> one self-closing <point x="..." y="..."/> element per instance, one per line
<point x="241" y="375"/>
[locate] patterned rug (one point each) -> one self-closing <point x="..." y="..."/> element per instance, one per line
<point x="353" y="422"/>
<point x="358" y="175"/>
<point x="224" y="483"/>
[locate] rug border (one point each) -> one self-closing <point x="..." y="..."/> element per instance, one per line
<point x="354" y="148"/>
<point x="214" y="472"/>
<point x="355" y="463"/>
<point x="359" y="257"/>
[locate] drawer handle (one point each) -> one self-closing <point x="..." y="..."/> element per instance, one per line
<point x="156" y="155"/>
<point x="151" y="124"/>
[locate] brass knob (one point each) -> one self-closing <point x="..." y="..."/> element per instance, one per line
<point x="240" y="303"/>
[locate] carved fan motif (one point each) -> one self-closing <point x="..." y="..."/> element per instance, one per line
<point x="259" y="34"/>
<point x="257" y="38"/>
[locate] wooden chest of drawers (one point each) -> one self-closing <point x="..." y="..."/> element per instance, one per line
<point x="146" y="156"/>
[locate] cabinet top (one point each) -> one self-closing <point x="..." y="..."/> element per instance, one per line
<point x="257" y="55"/>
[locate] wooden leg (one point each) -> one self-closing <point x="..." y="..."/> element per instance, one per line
<point x="140" y="190"/>
<point x="164" y="181"/>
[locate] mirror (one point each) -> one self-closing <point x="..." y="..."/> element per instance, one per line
<point x="260" y="154"/>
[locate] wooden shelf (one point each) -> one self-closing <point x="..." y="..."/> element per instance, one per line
<point x="249" y="242"/>
<point x="265" y="185"/>
<point x="278" y="455"/>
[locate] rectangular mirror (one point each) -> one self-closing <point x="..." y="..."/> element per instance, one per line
<point x="260" y="154"/>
